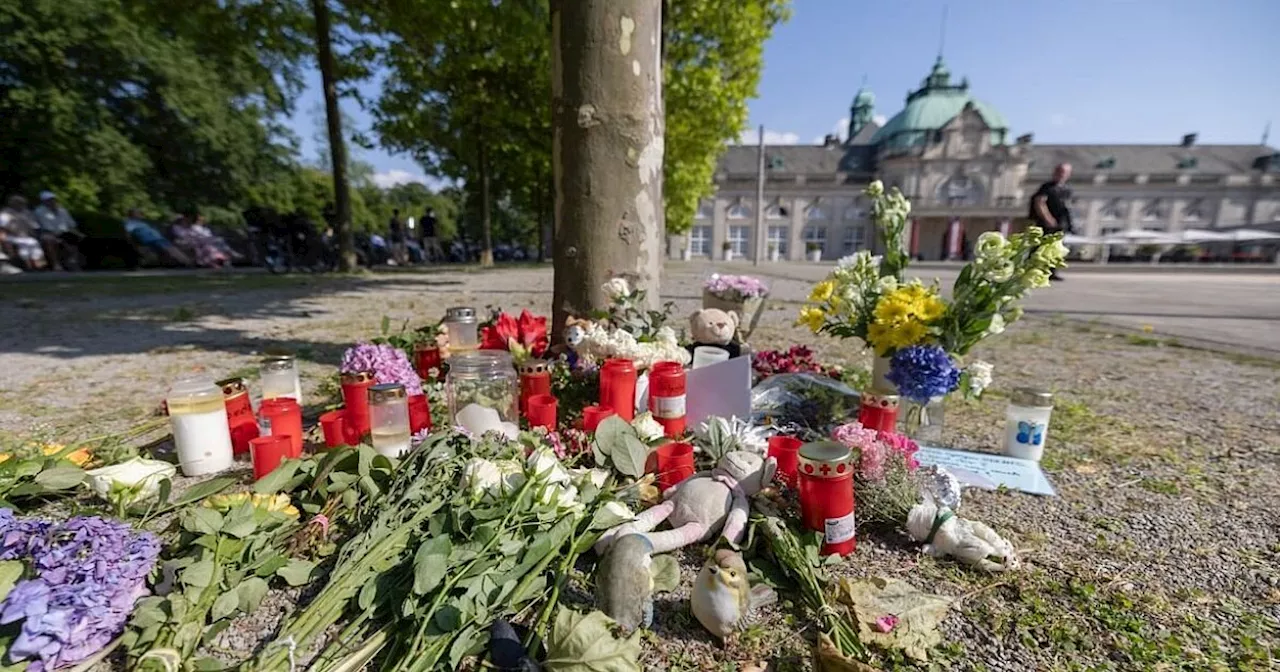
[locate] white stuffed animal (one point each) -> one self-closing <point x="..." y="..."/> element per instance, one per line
<point x="969" y="541"/>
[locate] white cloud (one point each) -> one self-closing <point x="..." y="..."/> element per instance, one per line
<point x="390" y="178"/>
<point x="841" y="128"/>
<point x="879" y="119"/>
<point x="1059" y="119"/>
<point x="752" y="137"/>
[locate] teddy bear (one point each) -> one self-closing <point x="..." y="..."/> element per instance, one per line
<point x="712" y="326"/>
<point x="705" y="505"/>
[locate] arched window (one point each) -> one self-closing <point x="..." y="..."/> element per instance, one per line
<point x="739" y="210"/>
<point x="1194" y="211"/>
<point x="706" y="210"/>
<point x="1113" y="210"/>
<point x="777" y="211"/>
<point x="1154" y="211"/>
<point x="815" y="213"/>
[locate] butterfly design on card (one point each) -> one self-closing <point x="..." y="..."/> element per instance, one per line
<point x="1031" y="434"/>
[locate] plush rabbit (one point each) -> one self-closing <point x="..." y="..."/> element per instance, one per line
<point x="969" y="541"/>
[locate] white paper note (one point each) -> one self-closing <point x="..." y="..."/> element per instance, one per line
<point x="988" y="471"/>
<point x="722" y="389"/>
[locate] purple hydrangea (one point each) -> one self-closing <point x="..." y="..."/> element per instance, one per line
<point x="923" y="372"/>
<point x="388" y="364"/>
<point x="88" y="572"/>
<point x="735" y="287"/>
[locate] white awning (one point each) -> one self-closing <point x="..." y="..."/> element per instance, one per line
<point x="1203" y="236"/>
<point x="1246" y="235"/>
<point x="1073" y="239"/>
<point x="1140" y="237"/>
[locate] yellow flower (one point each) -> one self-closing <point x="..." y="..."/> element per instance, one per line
<point x="79" y="457"/>
<point x="812" y="317"/>
<point x="4" y="457"/>
<point x="901" y="317"/>
<point x="278" y="503"/>
<point x="822" y="291"/>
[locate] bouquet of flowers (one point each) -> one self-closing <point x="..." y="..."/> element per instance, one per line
<point x="524" y="337"/>
<point x="735" y="288"/>
<point x="388" y="363"/>
<point x="627" y="330"/>
<point x="884" y="481"/>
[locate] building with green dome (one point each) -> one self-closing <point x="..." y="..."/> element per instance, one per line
<point x="955" y="157"/>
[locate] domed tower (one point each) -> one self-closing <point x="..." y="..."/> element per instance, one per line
<point x="929" y="108"/>
<point x="862" y="111"/>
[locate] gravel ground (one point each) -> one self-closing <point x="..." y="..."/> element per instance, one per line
<point x="1161" y="552"/>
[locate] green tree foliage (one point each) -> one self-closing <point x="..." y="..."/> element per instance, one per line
<point x="120" y="102"/>
<point x="713" y="60"/>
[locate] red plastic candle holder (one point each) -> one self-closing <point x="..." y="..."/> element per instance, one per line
<point x="333" y="426"/>
<point x="826" y="495"/>
<point x="535" y="379"/>
<point x="785" y="450"/>
<point x="240" y="418"/>
<point x="419" y="413"/>
<point x="879" y="411"/>
<point x="268" y="452"/>
<point x="282" y="416"/>
<point x="427" y="359"/>
<point x="667" y="384"/>
<point x="542" y="411"/>
<point x="673" y="462"/>
<point x="618" y="387"/>
<point x="592" y="416"/>
<point x="355" y="398"/>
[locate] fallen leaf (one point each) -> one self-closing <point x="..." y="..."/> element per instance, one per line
<point x="666" y="573"/>
<point x="827" y="658"/>
<point x="918" y="614"/>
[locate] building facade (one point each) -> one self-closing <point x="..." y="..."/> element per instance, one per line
<point x="951" y="154"/>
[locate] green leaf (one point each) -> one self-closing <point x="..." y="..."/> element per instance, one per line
<point x="297" y="572"/>
<point x="278" y="478"/>
<point x="585" y="643"/>
<point x="666" y="573"/>
<point x="60" y="478"/>
<point x="241" y="521"/>
<point x="610" y="433"/>
<point x="271" y="565"/>
<point x="10" y="572"/>
<point x="28" y="468"/>
<point x="199" y="491"/>
<point x="198" y="575"/>
<point x="630" y="459"/>
<point x="368" y="593"/>
<point x="202" y="520"/>
<point x="448" y="618"/>
<point x="166" y="489"/>
<point x="430" y="564"/>
<point x="225" y="605"/>
<point x="249" y="594"/>
<point x="469" y="642"/>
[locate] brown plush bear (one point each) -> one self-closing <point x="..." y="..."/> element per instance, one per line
<point x="712" y="326"/>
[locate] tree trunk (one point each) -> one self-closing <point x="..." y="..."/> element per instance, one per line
<point x="337" y="147"/>
<point x="606" y="150"/>
<point x="546" y="222"/>
<point x="486" y="211"/>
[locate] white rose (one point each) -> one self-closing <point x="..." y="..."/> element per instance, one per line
<point x="648" y="428"/>
<point x="979" y="376"/>
<point x="544" y="464"/>
<point x="1000" y="271"/>
<point x="616" y="288"/>
<point x="583" y="477"/>
<point x="996" y="326"/>
<point x="481" y="477"/>
<point x="989" y="244"/>
<point x="610" y="515"/>
<point x="875" y="189"/>
<point x="562" y="496"/>
<point x="140" y="474"/>
<point x="513" y="476"/>
<point x="887" y="284"/>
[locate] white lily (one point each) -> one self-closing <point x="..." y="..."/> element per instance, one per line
<point x="136" y="480"/>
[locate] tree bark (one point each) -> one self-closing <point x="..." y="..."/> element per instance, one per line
<point x="337" y="147"/>
<point x="486" y="210"/>
<point x="607" y="150"/>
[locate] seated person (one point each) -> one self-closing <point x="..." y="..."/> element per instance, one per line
<point x="198" y="243"/>
<point x="21" y="234"/>
<point x="6" y="268"/>
<point x="145" y="235"/>
<point x="54" y="226"/>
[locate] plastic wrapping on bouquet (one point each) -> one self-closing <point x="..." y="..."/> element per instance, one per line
<point x="244" y="426"/>
<point x="355" y="399"/>
<point x="334" y="427"/>
<point x="785" y="450"/>
<point x="542" y="411"/>
<point x="282" y="416"/>
<point x="618" y="387"/>
<point x="419" y="413"/>
<point x="667" y="385"/>
<point x="879" y="410"/>
<point x="267" y="453"/>
<point x="592" y="416"/>
<point x="826" y="495"/>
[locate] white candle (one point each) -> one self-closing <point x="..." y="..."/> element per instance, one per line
<point x="201" y="434"/>
<point x="1027" y="423"/>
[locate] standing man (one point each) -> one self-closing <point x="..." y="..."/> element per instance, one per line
<point x="430" y="242"/>
<point x="1049" y="208"/>
<point x="56" y="226"/>
<point x="397" y="237"/>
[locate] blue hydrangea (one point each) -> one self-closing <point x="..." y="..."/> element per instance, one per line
<point x="923" y="372"/>
<point x="88" y="572"/>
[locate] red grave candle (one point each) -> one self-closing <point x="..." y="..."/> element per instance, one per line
<point x="592" y="416"/>
<point x="542" y="411"/>
<point x="785" y="450"/>
<point x="427" y="358"/>
<point x="826" y="494"/>
<point x="419" y="413"/>
<point x="879" y="411"/>
<point x="535" y="379"/>
<point x="673" y="462"/>
<point x="355" y="398"/>
<point x="667" y="397"/>
<point x="282" y="416"/>
<point x="331" y="424"/>
<point x="268" y="452"/>
<point x="618" y="387"/>
<point x="240" y="418"/>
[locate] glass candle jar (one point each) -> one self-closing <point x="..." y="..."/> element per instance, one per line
<point x="280" y="378"/>
<point x="1027" y="423"/>
<point x="486" y="378"/>
<point x="461" y="325"/>
<point x="201" y="432"/>
<point x="389" y="419"/>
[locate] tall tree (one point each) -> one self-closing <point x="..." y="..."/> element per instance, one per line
<point x="606" y="149"/>
<point x="714" y="55"/>
<point x="337" y="143"/>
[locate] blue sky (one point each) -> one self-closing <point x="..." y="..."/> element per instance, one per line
<point x="1087" y="71"/>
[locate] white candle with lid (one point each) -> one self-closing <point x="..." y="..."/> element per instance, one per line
<point x="280" y="378"/>
<point x="389" y="419"/>
<point x="1027" y="423"/>
<point x="201" y="434"/>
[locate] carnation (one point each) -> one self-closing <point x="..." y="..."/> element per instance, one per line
<point x="388" y="364"/>
<point x="735" y="287"/>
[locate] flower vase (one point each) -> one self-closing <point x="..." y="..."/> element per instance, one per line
<point x="748" y="310"/>
<point x="923" y="422"/>
<point x="880" y="375"/>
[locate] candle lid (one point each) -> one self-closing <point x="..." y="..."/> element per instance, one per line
<point x="232" y="387"/>
<point x="277" y="362"/>
<point x="880" y="399"/>
<point x="194" y="388"/>
<point x="380" y="394"/>
<point x="1032" y="397"/>
<point x="352" y="377"/>
<point x="460" y="314"/>
<point x="534" y="367"/>
<point x="826" y="459"/>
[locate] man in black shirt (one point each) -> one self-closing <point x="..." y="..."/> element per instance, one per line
<point x="430" y="241"/>
<point x="1049" y="209"/>
<point x="397" y="237"/>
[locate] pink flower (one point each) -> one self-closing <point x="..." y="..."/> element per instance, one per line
<point x="886" y="624"/>
<point x="902" y="444"/>
<point x="873" y="459"/>
<point x="854" y="435"/>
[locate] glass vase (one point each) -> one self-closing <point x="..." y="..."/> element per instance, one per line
<point x="923" y="422"/>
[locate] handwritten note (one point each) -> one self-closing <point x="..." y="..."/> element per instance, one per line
<point x="722" y="389"/>
<point x="987" y="471"/>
